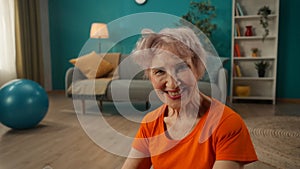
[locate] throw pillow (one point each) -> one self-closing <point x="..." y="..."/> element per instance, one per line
<point x="92" y="65"/>
<point x="114" y="59"/>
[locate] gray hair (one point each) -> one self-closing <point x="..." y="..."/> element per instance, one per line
<point x="183" y="40"/>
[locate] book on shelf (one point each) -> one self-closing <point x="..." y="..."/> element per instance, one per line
<point x="237" y="50"/>
<point x="238" y="30"/>
<point x="234" y="70"/>
<point x="235" y="33"/>
<point x="235" y="55"/>
<point x="236" y="12"/>
<point x="238" y="71"/>
<point x="238" y="6"/>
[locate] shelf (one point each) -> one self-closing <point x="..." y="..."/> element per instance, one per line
<point x="254" y="16"/>
<point x="255" y="78"/>
<point x="253" y="58"/>
<point x="253" y="37"/>
<point x="252" y="98"/>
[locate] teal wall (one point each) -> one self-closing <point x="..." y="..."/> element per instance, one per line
<point x="288" y="79"/>
<point x="70" y="21"/>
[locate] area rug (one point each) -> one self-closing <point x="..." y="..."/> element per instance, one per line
<point x="276" y="140"/>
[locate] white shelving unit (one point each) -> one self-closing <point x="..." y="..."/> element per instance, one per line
<point x="261" y="88"/>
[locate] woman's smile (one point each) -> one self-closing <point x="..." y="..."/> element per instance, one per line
<point x="174" y="94"/>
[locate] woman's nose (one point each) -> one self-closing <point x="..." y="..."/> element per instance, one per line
<point x="172" y="81"/>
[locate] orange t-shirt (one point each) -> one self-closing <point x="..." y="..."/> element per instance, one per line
<point x="219" y="135"/>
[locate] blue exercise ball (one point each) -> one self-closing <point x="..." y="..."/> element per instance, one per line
<point x="23" y="104"/>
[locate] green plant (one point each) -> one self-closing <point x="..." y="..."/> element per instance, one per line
<point x="261" y="68"/>
<point x="264" y="12"/>
<point x="201" y="15"/>
<point x="262" y="65"/>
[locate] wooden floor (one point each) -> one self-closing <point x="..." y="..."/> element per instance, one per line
<point x="60" y="142"/>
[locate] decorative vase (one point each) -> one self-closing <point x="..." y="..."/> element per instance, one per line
<point x="248" y="31"/>
<point x="242" y="91"/>
<point x="261" y="73"/>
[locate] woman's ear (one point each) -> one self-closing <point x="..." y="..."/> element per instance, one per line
<point x="198" y="71"/>
<point x="198" y="75"/>
<point x="200" y="68"/>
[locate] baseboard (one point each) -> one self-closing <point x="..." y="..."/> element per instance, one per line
<point x="281" y="100"/>
<point x="288" y="100"/>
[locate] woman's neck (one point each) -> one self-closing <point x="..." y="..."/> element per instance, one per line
<point x="181" y="122"/>
<point x="195" y="108"/>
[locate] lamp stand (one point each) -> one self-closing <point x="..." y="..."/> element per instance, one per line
<point x="99" y="47"/>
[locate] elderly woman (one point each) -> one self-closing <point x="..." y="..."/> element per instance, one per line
<point x="190" y="130"/>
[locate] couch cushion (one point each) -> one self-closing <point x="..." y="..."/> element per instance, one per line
<point x="128" y="69"/>
<point x="209" y="89"/>
<point x="126" y="90"/>
<point x="213" y="65"/>
<point x="91" y="87"/>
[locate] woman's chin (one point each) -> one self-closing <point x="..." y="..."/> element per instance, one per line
<point x="175" y="102"/>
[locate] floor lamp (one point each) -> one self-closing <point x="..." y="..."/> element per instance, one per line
<point x="99" y="31"/>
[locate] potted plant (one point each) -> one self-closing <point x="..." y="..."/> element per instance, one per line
<point x="254" y="52"/>
<point x="261" y="68"/>
<point x="264" y="12"/>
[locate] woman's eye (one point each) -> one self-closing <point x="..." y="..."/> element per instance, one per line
<point x="182" y="67"/>
<point x="159" y="72"/>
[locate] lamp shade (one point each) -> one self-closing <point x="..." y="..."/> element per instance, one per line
<point x="99" y="31"/>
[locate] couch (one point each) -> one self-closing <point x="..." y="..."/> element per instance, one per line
<point x="128" y="83"/>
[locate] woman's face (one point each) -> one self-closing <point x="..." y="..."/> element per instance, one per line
<point x="174" y="79"/>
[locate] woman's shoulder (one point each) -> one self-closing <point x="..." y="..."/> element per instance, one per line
<point x="225" y="111"/>
<point x="230" y="120"/>
<point x="224" y="117"/>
